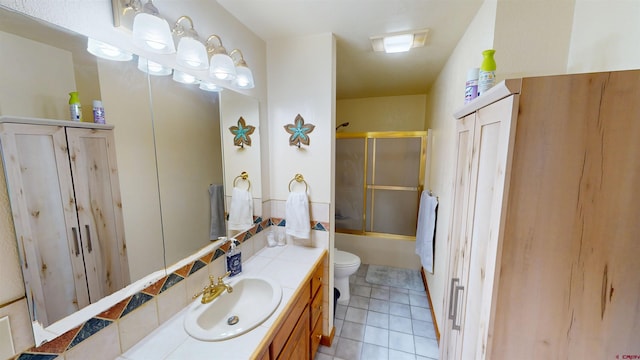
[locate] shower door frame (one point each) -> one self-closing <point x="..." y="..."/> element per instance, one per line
<point x="422" y="135"/>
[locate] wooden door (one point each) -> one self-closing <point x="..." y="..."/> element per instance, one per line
<point x="43" y="207"/>
<point x="96" y="185"/>
<point x="492" y="139"/>
<point x="464" y="149"/>
<point x="569" y="283"/>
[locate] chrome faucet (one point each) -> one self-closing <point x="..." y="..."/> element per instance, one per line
<point x="213" y="290"/>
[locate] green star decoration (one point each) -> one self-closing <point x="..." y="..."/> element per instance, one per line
<point x="299" y="132"/>
<point x="241" y="133"/>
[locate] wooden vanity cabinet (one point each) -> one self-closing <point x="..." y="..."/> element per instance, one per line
<point x="65" y="201"/>
<point x="299" y="332"/>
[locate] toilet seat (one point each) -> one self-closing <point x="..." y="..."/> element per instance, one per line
<point x="345" y="259"/>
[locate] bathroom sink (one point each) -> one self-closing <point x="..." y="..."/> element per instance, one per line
<point x="251" y="302"/>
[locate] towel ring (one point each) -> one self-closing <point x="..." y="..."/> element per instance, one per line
<point x="299" y="178"/>
<point x="242" y="176"/>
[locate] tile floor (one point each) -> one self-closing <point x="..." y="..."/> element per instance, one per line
<point x="382" y="323"/>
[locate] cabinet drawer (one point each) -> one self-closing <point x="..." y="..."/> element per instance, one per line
<point x="316" y="308"/>
<point x="316" y="337"/>
<point x="290" y="322"/>
<point x="316" y="278"/>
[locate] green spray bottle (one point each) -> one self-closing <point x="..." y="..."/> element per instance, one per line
<point x="74" y="106"/>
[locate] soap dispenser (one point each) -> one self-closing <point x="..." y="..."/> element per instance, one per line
<point x="234" y="259"/>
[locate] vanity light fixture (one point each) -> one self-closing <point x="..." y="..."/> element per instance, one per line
<point x="222" y="66"/>
<point x="207" y="86"/>
<point x="244" y="76"/>
<point x="153" y="68"/>
<point x="400" y="41"/>
<point x="106" y="51"/>
<point x="184" y="78"/>
<point x="152" y="32"/>
<point x="191" y="51"/>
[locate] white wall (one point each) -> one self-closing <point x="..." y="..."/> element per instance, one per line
<point x="605" y="36"/>
<point x="302" y="73"/>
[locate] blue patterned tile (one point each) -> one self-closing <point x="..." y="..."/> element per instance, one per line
<point x="318" y="226"/>
<point x="258" y="220"/>
<point x="247" y="236"/>
<point x="197" y="266"/>
<point x="259" y="228"/>
<point x="137" y="300"/>
<point x="218" y="254"/>
<point x="171" y="280"/>
<point x="282" y="222"/>
<point x="26" y="356"/>
<point x="270" y="222"/>
<point x="89" y="328"/>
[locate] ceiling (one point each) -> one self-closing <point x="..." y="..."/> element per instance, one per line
<point x="360" y="71"/>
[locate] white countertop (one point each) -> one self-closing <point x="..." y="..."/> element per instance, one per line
<point x="288" y="265"/>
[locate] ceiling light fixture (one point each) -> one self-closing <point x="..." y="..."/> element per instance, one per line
<point x="400" y="41"/>
<point x="244" y="76"/>
<point x="191" y="51"/>
<point x="106" y="51"/>
<point x="222" y="66"/>
<point x="152" y="32"/>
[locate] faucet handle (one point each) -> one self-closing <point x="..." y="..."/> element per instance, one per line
<point x="220" y="282"/>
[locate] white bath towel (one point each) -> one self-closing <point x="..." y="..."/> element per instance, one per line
<point x="240" y="210"/>
<point x="216" y="195"/>
<point x="297" y="215"/>
<point x="425" y="233"/>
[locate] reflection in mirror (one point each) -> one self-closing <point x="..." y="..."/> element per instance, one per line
<point x="163" y="196"/>
<point x="187" y="132"/>
<point x="58" y="63"/>
<point x="239" y="159"/>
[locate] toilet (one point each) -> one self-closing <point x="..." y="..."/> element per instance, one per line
<point x="345" y="265"/>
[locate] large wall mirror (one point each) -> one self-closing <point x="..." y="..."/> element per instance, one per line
<point x="169" y="137"/>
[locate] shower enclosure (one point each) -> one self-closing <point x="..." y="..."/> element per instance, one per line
<point x="379" y="179"/>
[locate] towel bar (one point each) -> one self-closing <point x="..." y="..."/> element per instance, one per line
<point x="299" y="178"/>
<point x="243" y="176"/>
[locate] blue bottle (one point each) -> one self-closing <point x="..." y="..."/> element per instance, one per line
<point x="234" y="260"/>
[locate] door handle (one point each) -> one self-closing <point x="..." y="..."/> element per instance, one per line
<point x="456" y="326"/>
<point x="89" y="245"/>
<point x="452" y="310"/>
<point x="75" y="240"/>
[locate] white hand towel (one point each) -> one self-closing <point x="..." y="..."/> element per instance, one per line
<point x="297" y="215"/>
<point x="426" y="230"/>
<point x="216" y="194"/>
<point x="241" y="210"/>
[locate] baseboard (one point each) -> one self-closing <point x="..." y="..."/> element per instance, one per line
<point x="433" y="315"/>
<point x="328" y="340"/>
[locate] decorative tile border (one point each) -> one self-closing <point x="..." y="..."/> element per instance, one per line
<point x="73" y="337"/>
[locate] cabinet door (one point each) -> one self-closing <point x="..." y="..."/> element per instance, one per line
<point x="464" y="151"/>
<point x="43" y="206"/>
<point x="297" y="347"/>
<point x="491" y="144"/>
<point x="95" y="174"/>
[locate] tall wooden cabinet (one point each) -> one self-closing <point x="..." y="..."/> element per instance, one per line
<point x="65" y="200"/>
<point x="544" y="231"/>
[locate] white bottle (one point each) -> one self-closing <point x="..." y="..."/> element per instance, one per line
<point x="98" y="112"/>
<point x="471" y="88"/>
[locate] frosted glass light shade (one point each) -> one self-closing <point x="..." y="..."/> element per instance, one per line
<point x="244" y="77"/>
<point x="192" y="54"/>
<point x="153" y="33"/>
<point x="222" y="67"/>
<point x="207" y="86"/>
<point x="184" y="78"/>
<point x="153" y="68"/>
<point x="398" y="43"/>
<point x="106" y="51"/>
